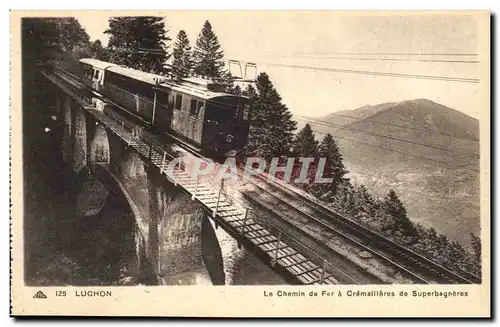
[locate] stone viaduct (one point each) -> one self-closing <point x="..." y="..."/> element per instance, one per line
<point x="174" y="238"/>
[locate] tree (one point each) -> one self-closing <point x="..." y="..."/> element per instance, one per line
<point x="395" y="208"/>
<point x="208" y="56"/>
<point x="365" y="201"/>
<point x="97" y="51"/>
<point x="183" y="61"/>
<point x="71" y="33"/>
<point x="344" y="199"/>
<point x="227" y="80"/>
<point x="476" y="249"/>
<point x="139" y="42"/>
<point x="272" y="127"/>
<point x="236" y="90"/>
<point x="305" y="143"/>
<point x="48" y="39"/>
<point x="250" y="92"/>
<point x="61" y="41"/>
<point x="334" y="166"/>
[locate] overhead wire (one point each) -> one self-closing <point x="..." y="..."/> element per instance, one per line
<point x="338" y="70"/>
<point x="381" y="136"/>
<point x="401" y="152"/>
<point x="388" y="74"/>
<point x="374" y="73"/>
<point x="382" y="53"/>
<point x="375" y="59"/>
<point x="399" y="126"/>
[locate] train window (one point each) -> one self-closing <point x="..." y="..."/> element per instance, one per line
<point x="239" y="110"/>
<point x="201" y="110"/>
<point x="197" y="108"/>
<point x="246" y="111"/>
<point x="194" y="107"/>
<point x="171" y="100"/>
<point x="178" y="101"/>
<point x="96" y="74"/>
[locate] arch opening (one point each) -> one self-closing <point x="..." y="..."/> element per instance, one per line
<point x="99" y="148"/>
<point x="66" y="140"/>
<point x="80" y="142"/>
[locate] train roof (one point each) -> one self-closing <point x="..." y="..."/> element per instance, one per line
<point x="135" y="74"/>
<point x="194" y="90"/>
<point x="192" y="86"/>
<point x="97" y="63"/>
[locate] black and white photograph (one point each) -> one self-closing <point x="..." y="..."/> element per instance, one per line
<point x="253" y="148"/>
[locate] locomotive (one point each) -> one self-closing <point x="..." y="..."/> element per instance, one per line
<point x="195" y="110"/>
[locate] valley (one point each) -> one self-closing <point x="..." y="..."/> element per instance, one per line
<point x="426" y="152"/>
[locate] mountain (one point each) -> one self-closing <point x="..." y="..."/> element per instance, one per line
<point x="428" y="153"/>
<point x="346" y="117"/>
<point x="343" y="117"/>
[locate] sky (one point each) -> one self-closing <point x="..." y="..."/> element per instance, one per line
<point x="344" y="41"/>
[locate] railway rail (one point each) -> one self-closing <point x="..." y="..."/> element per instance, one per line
<point x="358" y="242"/>
<point x="300" y="263"/>
<point x="330" y="219"/>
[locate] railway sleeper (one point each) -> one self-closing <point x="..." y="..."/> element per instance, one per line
<point x="307" y="278"/>
<point x="294" y="258"/>
<point x="248" y="228"/>
<point x="257" y="228"/>
<point x="282" y="252"/>
<point x="285" y="262"/>
<point x="260" y="239"/>
<point x="320" y="280"/>
<point x="302" y="267"/>
<point x="227" y="213"/>
<point x="240" y="219"/>
<point x="269" y="247"/>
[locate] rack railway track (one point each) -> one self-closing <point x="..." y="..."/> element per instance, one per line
<point x="331" y="220"/>
<point x="300" y="264"/>
<point x="409" y="262"/>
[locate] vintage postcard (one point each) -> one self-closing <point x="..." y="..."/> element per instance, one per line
<point x="250" y="163"/>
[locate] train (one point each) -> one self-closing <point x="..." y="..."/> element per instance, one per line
<point x="196" y="110"/>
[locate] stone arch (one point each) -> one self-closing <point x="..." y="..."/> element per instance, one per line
<point x="99" y="147"/>
<point x="133" y="175"/>
<point x="138" y="260"/>
<point x="66" y="140"/>
<point x="80" y="141"/>
<point x="57" y="102"/>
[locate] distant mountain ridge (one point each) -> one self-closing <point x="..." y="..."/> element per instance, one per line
<point x="427" y="152"/>
<point x="422" y="128"/>
<point x="345" y="117"/>
<point x="446" y="119"/>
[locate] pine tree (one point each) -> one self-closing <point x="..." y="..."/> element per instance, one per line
<point x="250" y="92"/>
<point x="71" y="33"/>
<point x="305" y="143"/>
<point x="183" y="61"/>
<point x="98" y="51"/>
<point x="227" y="80"/>
<point x="395" y="208"/>
<point x="236" y="90"/>
<point x="334" y="166"/>
<point x="343" y="200"/>
<point x="272" y="127"/>
<point x="476" y="249"/>
<point x="139" y="42"/>
<point x="208" y="56"/>
<point x="365" y="201"/>
<point x="62" y="41"/>
<point x="46" y="39"/>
